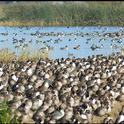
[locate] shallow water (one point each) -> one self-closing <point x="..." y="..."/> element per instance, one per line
<point x="80" y="33"/>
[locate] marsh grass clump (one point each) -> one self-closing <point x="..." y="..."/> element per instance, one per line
<point x="5" y="114"/>
<point x="6" y="55"/>
<point x="88" y="13"/>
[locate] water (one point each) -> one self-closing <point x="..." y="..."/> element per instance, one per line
<point x="81" y="34"/>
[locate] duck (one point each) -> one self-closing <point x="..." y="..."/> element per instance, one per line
<point x="95" y="87"/>
<point x="4" y="40"/>
<point x="16" y="102"/>
<point x="85" y="97"/>
<point x="25" y="118"/>
<point x="70" y="54"/>
<point x="32" y="78"/>
<point x="64" y="48"/>
<point x="89" y="39"/>
<point x="55" y="100"/>
<point x="36" y="103"/>
<point x="122" y="110"/>
<point x="1" y="98"/>
<point x="44" y="106"/>
<point x="77" y="47"/>
<point x="76" y="101"/>
<point x="100" y="111"/>
<point x="8" y="97"/>
<point x="58" y="114"/>
<point x="89" y="115"/>
<point x="68" y="114"/>
<point x="38" y="114"/>
<point x="52" y="108"/>
<point x="120" y="97"/>
<point x="113" y="102"/>
<point x="70" y="100"/>
<point x="119" y="119"/>
<point x="29" y="71"/>
<point x="51" y="120"/>
<point x="38" y="83"/>
<point x="108" y="118"/>
<point x="28" y="103"/>
<point x="82" y="114"/>
<point x="20" y="88"/>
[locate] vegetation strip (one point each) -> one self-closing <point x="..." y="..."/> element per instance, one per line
<point x="67" y="14"/>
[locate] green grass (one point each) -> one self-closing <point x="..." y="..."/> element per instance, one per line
<point x="104" y="13"/>
<point x="5" y="114"/>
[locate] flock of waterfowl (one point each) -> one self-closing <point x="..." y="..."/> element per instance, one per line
<point x="65" y="90"/>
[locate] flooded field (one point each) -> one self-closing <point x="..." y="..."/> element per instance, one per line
<point x="80" y="42"/>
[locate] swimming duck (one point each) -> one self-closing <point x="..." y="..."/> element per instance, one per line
<point x="64" y="48"/>
<point x="77" y="47"/>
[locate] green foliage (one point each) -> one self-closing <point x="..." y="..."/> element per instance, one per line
<point x="66" y="14"/>
<point x="5" y="114"/>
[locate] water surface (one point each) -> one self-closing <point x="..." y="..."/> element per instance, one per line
<point x="67" y="35"/>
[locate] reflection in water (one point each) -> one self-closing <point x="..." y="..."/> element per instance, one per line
<point x="80" y="42"/>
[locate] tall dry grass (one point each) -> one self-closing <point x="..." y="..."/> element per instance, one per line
<point x="6" y="55"/>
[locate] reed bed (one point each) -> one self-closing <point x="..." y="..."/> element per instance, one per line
<point x="6" y="55"/>
<point x="104" y="13"/>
